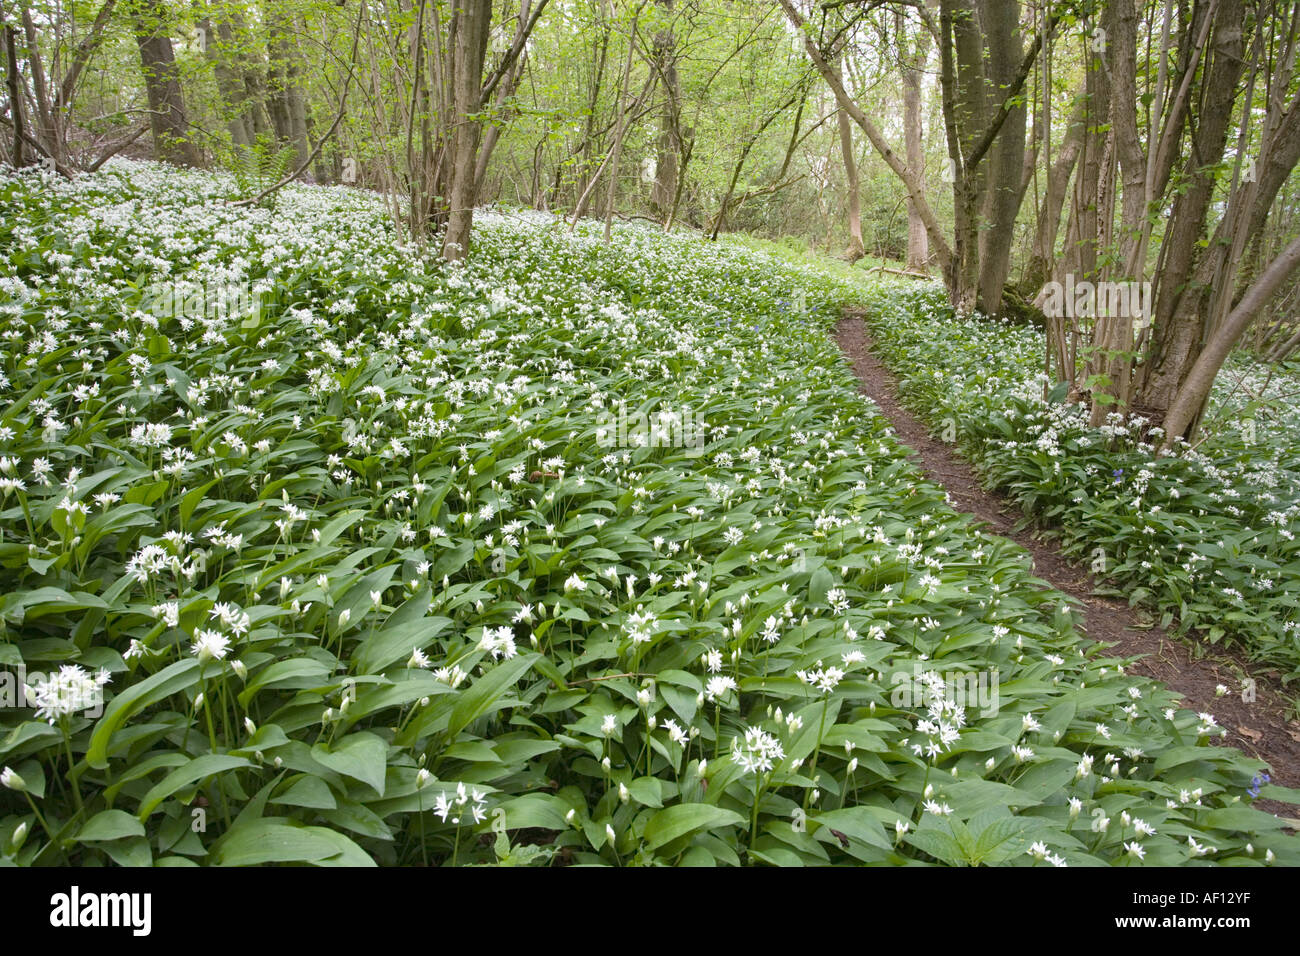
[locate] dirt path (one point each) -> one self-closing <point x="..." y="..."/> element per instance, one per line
<point x="1258" y="727"/>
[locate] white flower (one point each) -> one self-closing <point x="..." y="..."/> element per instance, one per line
<point x="499" y="642"/>
<point x="209" y="645"/>
<point x="70" y="691"/>
<point x="717" y="686"/>
<point x="823" y="680"/>
<point x="759" y="751"/>
<point x="451" y="676"/>
<point x="169" y="612"/>
<point x="675" y="732"/>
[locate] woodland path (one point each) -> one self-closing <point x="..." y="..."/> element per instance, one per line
<point x="1259" y="728"/>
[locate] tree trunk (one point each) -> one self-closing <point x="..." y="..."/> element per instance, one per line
<point x="287" y="104"/>
<point x="918" y="246"/>
<point x="473" y="24"/>
<point x="16" y="111"/>
<point x="663" y="193"/>
<point x="1000" y="23"/>
<point x="229" y="84"/>
<point x="162" y="83"/>
<point x="1042" y="255"/>
<point x="856" y="249"/>
<point x="1195" y="389"/>
<point x="1176" y="331"/>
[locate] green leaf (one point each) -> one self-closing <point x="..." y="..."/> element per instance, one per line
<point x="361" y="756"/>
<point x="683" y="818"/>
<point x="274" y="840"/>
<point x="939" y="845"/>
<point x="197" y="769"/>
<point x="489" y="688"/>
<point x="110" y="825"/>
<point x="391" y="644"/>
<point x="170" y="680"/>
<point x="305" y="791"/>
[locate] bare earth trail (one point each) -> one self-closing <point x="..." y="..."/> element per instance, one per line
<point x="1259" y="727"/>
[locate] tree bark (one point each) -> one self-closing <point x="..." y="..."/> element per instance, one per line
<point x="918" y="246"/>
<point x="1195" y="388"/>
<point x="1000" y="24"/>
<point x="473" y="23"/>
<point x="171" y="136"/>
<point x="1176" y="331"/>
<point x="856" y="249"/>
<point x="1042" y="255"/>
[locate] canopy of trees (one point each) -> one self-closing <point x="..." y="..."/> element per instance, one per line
<point x="1029" y="154"/>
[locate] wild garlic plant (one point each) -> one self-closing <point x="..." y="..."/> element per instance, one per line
<point x="370" y="583"/>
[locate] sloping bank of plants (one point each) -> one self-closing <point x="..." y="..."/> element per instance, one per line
<point x="578" y="553"/>
<point x="1206" y="535"/>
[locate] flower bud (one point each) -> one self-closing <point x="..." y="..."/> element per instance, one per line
<point x="12" y="781"/>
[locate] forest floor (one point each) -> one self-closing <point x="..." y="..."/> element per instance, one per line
<point x="1257" y="727"/>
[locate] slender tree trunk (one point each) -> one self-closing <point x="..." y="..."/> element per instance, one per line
<point x="16" y="112"/>
<point x="1195" y="388"/>
<point x="663" y="193"/>
<point x="230" y="85"/>
<point x="620" y="129"/>
<point x="468" y="52"/>
<point x="288" y="104"/>
<point x="856" y="248"/>
<point x="171" y="135"/>
<point x="1042" y="256"/>
<point x="918" y="246"/>
<point x="1000" y="23"/>
<point x="1177" y="322"/>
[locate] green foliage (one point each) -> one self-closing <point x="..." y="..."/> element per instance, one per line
<point x="372" y="574"/>
<point x="257" y="167"/>
<point x="1206" y="536"/>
